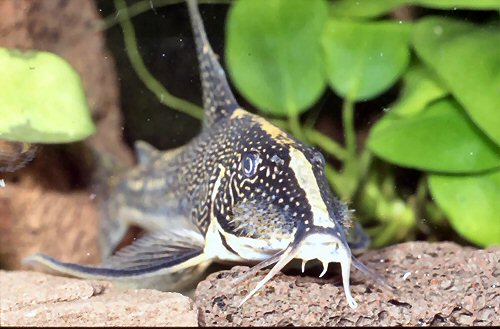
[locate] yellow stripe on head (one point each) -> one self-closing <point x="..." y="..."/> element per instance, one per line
<point x="273" y="131"/>
<point x="307" y="181"/>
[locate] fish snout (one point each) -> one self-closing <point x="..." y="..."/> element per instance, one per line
<point x="328" y="247"/>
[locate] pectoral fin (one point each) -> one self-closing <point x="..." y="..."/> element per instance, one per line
<point x="152" y="255"/>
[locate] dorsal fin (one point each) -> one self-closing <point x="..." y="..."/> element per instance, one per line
<point x="218" y="99"/>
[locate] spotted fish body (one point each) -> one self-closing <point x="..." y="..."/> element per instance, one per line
<point x="242" y="190"/>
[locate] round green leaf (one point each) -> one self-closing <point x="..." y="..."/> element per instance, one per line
<point x="419" y="90"/>
<point x="41" y="99"/>
<point x="441" y="138"/>
<point x="365" y="59"/>
<point x="467" y="59"/>
<point x="456" y="4"/>
<point x="374" y="8"/>
<point x="471" y="204"/>
<point x="274" y="53"/>
<point x="363" y="8"/>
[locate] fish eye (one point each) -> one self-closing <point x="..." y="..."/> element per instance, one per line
<point x="249" y="163"/>
<point x="319" y="159"/>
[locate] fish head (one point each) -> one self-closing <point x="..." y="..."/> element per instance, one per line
<point x="275" y="197"/>
<point x="272" y="182"/>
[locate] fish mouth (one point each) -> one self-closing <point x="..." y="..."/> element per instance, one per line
<point x="326" y="245"/>
<point x="328" y="248"/>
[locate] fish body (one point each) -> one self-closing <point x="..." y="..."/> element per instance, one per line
<point x="242" y="190"/>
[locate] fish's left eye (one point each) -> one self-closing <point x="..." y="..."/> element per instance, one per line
<point x="319" y="159"/>
<point x="249" y="163"/>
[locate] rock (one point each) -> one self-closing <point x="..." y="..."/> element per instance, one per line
<point x="437" y="284"/>
<point x="34" y="219"/>
<point x="49" y="206"/>
<point x="36" y="299"/>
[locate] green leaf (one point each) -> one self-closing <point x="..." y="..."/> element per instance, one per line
<point x="363" y="8"/>
<point x="374" y="8"/>
<point x="365" y="59"/>
<point x="441" y="138"/>
<point x="458" y="4"/>
<point x="467" y="59"/>
<point x="41" y="99"/>
<point x="471" y="204"/>
<point x="274" y="53"/>
<point x="419" y="90"/>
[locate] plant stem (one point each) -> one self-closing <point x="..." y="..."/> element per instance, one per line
<point x="421" y="193"/>
<point x="349" y="133"/>
<point x="312" y="118"/>
<point x="333" y="177"/>
<point x="327" y="144"/>
<point x="294" y="123"/>
<point x="365" y="160"/>
<point x="280" y="123"/>
<point x="316" y="138"/>
<point x="141" y="70"/>
<point x="350" y="169"/>
<point x="143" y="6"/>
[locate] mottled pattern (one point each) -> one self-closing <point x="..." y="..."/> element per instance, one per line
<point x="250" y="190"/>
<point x="258" y="219"/>
<point x="265" y="206"/>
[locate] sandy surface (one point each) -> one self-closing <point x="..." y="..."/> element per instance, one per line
<point x="36" y="299"/>
<point x="437" y="284"/>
